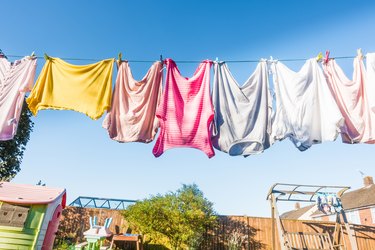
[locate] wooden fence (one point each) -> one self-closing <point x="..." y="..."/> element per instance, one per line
<point x="232" y="232"/>
<point x="75" y="221"/>
<point x="255" y="233"/>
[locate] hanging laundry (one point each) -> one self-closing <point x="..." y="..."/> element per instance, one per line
<point x="83" y="88"/>
<point x="328" y="203"/>
<point x="352" y="97"/>
<point x="242" y="114"/>
<point x="370" y="63"/>
<point x="305" y="109"/>
<point x="16" y="79"/>
<point x="185" y="112"/>
<point x="132" y="115"/>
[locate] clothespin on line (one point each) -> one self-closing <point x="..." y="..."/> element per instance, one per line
<point x="162" y="62"/>
<point x="326" y="59"/>
<point x="32" y="55"/>
<point x="271" y="60"/>
<point x="359" y="53"/>
<point x="319" y="57"/>
<point x="271" y="63"/>
<point x="2" y="54"/>
<point x="46" y="57"/>
<point x="216" y="60"/>
<point x="119" y="58"/>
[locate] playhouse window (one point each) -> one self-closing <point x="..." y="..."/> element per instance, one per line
<point x="13" y="215"/>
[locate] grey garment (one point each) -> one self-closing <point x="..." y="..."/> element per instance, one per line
<point x="242" y="114"/>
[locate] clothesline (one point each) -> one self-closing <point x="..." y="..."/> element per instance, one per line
<point x="186" y="61"/>
<point x="310" y="106"/>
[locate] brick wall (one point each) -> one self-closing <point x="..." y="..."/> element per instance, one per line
<point x="365" y="217"/>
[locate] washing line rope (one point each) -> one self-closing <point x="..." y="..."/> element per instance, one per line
<point x="185" y="61"/>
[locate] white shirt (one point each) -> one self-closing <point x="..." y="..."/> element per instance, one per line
<point x="306" y="112"/>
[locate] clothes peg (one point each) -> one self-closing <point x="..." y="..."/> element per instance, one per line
<point x="119" y="57"/>
<point x="216" y="60"/>
<point x="326" y="59"/>
<point x="359" y="53"/>
<point x="32" y="55"/>
<point x="46" y="57"/>
<point x="3" y="55"/>
<point x="319" y="57"/>
<point x="161" y="59"/>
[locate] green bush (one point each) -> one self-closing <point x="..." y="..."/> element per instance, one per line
<point x="176" y="219"/>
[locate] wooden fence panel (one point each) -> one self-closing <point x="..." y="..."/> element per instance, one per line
<point x="75" y="221"/>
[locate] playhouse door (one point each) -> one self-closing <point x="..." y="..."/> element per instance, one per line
<point x="53" y="224"/>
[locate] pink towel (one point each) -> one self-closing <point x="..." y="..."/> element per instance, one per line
<point x="15" y="80"/>
<point x="353" y="100"/>
<point x="185" y="112"/>
<point x="132" y="115"/>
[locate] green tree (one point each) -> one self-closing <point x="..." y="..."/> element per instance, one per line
<point x="178" y="219"/>
<point x="11" y="152"/>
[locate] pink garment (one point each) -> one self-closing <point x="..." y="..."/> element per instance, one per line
<point x="352" y="98"/>
<point x="15" y="80"/>
<point x="132" y="115"/>
<point x="185" y="111"/>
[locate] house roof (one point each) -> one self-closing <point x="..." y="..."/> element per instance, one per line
<point x="362" y="197"/>
<point x="297" y="213"/>
<point x="358" y="198"/>
<point x="29" y="194"/>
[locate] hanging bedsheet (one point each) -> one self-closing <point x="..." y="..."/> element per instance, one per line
<point x="132" y="115"/>
<point x="306" y="112"/>
<point x="16" y="79"/>
<point x="354" y="100"/>
<point x="185" y="111"/>
<point x="242" y="123"/>
<point x="370" y="77"/>
<point x="83" y="88"/>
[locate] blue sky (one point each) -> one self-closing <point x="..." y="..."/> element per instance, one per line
<point x="68" y="149"/>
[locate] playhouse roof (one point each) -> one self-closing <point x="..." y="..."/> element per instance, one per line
<point x="28" y="194"/>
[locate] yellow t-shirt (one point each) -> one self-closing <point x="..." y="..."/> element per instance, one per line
<point x="83" y="88"/>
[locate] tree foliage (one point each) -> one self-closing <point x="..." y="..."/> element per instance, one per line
<point x="180" y="218"/>
<point x="11" y="152"/>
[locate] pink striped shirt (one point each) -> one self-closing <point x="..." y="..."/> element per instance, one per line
<point x="185" y="112"/>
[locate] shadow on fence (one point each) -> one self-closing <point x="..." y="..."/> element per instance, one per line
<point x="231" y="233"/>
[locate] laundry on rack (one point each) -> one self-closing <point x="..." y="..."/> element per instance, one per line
<point x="63" y="86"/>
<point x="328" y="203"/>
<point x="242" y="123"/>
<point x="16" y="79"/>
<point x="132" y="114"/>
<point x="185" y="112"/>
<point x="354" y="100"/>
<point x="306" y="112"/>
